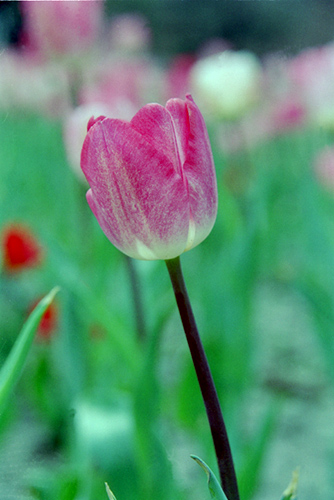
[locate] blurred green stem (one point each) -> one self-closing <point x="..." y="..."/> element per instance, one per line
<point x="136" y="298"/>
<point x="207" y="386"/>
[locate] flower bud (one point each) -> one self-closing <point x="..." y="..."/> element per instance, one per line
<point x="153" y="184"/>
<point x="227" y="84"/>
<point x="20" y="248"/>
<point x="48" y="322"/>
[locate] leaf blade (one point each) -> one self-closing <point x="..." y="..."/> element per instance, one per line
<point x="213" y="484"/>
<point x="11" y="370"/>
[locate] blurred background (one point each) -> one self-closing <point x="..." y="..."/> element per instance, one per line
<point x="183" y="26"/>
<point x="108" y="391"/>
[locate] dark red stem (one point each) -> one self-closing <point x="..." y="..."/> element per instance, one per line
<point x="207" y="386"/>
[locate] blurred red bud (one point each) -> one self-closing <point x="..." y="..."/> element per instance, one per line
<point x="21" y="250"/>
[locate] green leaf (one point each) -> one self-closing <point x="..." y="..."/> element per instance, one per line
<point x="291" y="492"/>
<point x="214" y="486"/>
<point x="155" y="478"/>
<point x="12" y="368"/>
<point x="255" y="452"/>
<point x="110" y="494"/>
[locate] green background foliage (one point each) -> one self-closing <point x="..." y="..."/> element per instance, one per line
<point x="107" y="406"/>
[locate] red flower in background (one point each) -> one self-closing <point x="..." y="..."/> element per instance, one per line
<point x="48" y="323"/>
<point x="20" y="249"/>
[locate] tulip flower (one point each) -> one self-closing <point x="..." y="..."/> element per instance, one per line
<point x="27" y="84"/>
<point x="311" y="75"/>
<point x="60" y="28"/>
<point x="20" y="249"/>
<point x="177" y="78"/>
<point x="121" y="83"/>
<point x="153" y="191"/>
<point x="153" y="184"/>
<point x="75" y="129"/>
<point x="228" y="84"/>
<point x="129" y="33"/>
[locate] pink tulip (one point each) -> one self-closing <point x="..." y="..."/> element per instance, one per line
<point x="120" y="83"/>
<point x="311" y="74"/>
<point x="153" y="184"/>
<point x="61" y="27"/>
<point x="27" y="84"/>
<point x="177" y="79"/>
<point x="129" y="33"/>
<point x="74" y="132"/>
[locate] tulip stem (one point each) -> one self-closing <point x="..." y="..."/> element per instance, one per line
<point x="206" y="383"/>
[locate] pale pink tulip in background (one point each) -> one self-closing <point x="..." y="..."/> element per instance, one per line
<point x="59" y="27"/>
<point x="121" y="84"/>
<point x="129" y="33"/>
<point x="27" y="84"/>
<point x="312" y="76"/>
<point x="75" y="130"/>
<point x="177" y="76"/>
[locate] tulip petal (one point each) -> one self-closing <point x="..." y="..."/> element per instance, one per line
<point x="154" y="123"/>
<point x="198" y="167"/>
<point x="138" y="197"/>
<point x="179" y="113"/>
<point x="199" y="170"/>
